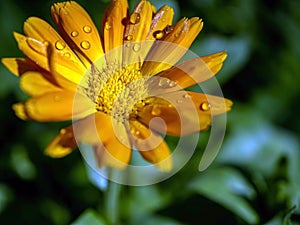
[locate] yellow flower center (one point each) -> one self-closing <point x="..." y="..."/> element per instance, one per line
<point x="115" y="90"/>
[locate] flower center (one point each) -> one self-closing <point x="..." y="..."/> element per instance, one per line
<point x="115" y="90"/>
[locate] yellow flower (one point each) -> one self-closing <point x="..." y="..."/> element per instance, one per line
<point x="115" y="84"/>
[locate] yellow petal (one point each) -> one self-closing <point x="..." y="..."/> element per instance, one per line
<point x="195" y="70"/>
<point x="136" y="30"/>
<point x="36" y="84"/>
<point x="78" y="29"/>
<point x="174" y="45"/>
<point x="41" y="54"/>
<point x="63" y="144"/>
<point x="182" y="112"/>
<point x="18" y="66"/>
<point x="54" y="106"/>
<point x="113" y="28"/>
<point x="109" y="137"/>
<point x="162" y="18"/>
<point x="151" y="146"/>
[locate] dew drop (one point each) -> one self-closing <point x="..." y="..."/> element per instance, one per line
<point x="158" y="34"/>
<point x="186" y="96"/>
<point x="87" y="29"/>
<point x="74" y="33"/>
<point x="129" y="37"/>
<point x="172" y="84"/>
<point x="85" y="45"/>
<point x="205" y="106"/>
<point x="168" y="29"/>
<point x="155" y="111"/>
<point x="60" y="45"/>
<point x="67" y="55"/>
<point x="135" y="18"/>
<point x="107" y="26"/>
<point x="56" y="98"/>
<point x="179" y="101"/>
<point x="136" y="47"/>
<point x="163" y="82"/>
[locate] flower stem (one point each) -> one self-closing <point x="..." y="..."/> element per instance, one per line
<point x="112" y="199"/>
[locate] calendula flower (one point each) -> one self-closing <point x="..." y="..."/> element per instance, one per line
<point x="113" y="84"/>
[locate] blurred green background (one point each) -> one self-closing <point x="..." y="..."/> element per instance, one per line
<point x="255" y="178"/>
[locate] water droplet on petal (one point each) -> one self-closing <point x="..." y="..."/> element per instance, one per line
<point x="59" y="45"/>
<point x="168" y="29"/>
<point x="172" y="83"/>
<point x="136" y="47"/>
<point x="67" y="54"/>
<point x="158" y="34"/>
<point x="163" y="82"/>
<point x="137" y="132"/>
<point x="74" y="33"/>
<point x="135" y="18"/>
<point x="155" y="111"/>
<point x="85" y="45"/>
<point x="179" y="101"/>
<point x="87" y="29"/>
<point x="129" y="37"/>
<point x="56" y="98"/>
<point x="186" y="96"/>
<point x="107" y="26"/>
<point x="205" y="106"/>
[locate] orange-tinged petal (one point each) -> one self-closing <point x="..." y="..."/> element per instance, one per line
<point x="78" y="30"/>
<point x="108" y="136"/>
<point x="36" y="84"/>
<point x="195" y="70"/>
<point x="136" y="31"/>
<point x="183" y="112"/>
<point x="151" y="146"/>
<point x="164" y="55"/>
<point x="113" y="28"/>
<point x="41" y="54"/>
<point x="54" y="106"/>
<point x="63" y="144"/>
<point x="18" y="66"/>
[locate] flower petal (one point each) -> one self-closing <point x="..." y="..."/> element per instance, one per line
<point x="78" y="30"/>
<point x="109" y="137"/>
<point x="18" y="66"/>
<point x="196" y="70"/>
<point x="172" y="47"/>
<point x="151" y="146"/>
<point x="63" y="144"/>
<point x="36" y="84"/>
<point x="183" y="112"/>
<point x="54" y="106"/>
<point x="41" y="54"/>
<point x="113" y="28"/>
<point x="136" y="31"/>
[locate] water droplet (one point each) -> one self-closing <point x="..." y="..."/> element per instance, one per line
<point x="163" y="82"/>
<point x="186" y="96"/>
<point x="168" y="29"/>
<point x="155" y="111"/>
<point x="85" y="45"/>
<point x="67" y="54"/>
<point x="136" y="47"/>
<point x="135" y="18"/>
<point x="129" y="37"/>
<point x="57" y="98"/>
<point x="158" y="34"/>
<point x="107" y="26"/>
<point x="59" y="45"/>
<point x="87" y="29"/>
<point x="179" y="101"/>
<point x="74" y="33"/>
<point x="205" y="106"/>
<point x="172" y="83"/>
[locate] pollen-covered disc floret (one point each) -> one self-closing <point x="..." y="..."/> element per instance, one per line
<point x="116" y="90"/>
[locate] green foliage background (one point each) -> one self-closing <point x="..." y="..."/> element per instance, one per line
<point x="255" y="178"/>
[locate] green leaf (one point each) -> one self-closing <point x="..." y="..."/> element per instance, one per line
<point x="227" y="187"/>
<point x="89" y="217"/>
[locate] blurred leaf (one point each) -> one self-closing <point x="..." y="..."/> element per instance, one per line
<point x="89" y="217"/>
<point x="227" y="187"/>
<point x="5" y="196"/>
<point x="157" y="220"/>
